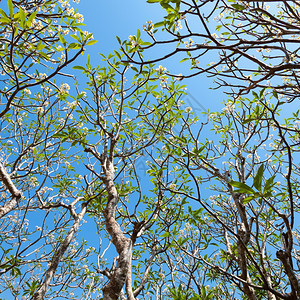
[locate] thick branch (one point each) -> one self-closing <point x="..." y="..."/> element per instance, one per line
<point x="242" y="261"/>
<point x="16" y="194"/>
<point x="284" y="258"/>
<point x="8" y="182"/>
<point x="39" y="295"/>
<point x="112" y="290"/>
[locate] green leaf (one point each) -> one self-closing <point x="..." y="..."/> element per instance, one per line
<point x="88" y="62"/>
<point x="79" y="68"/>
<point x="258" y="178"/>
<point x="31" y="17"/>
<point x="248" y="120"/>
<point x="248" y="199"/>
<point x="255" y="95"/>
<point x="238" y="6"/>
<point x="2" y="12"/>
<point x="74" y="46"/>
<point x="138" y="34"/>
<point x="166" y="234"/>
<point x="10" y="8"/>
<point x="159" y="24"/>
<point x="62" y="39"/>
<point x="4" y="20"/>
<point x="117" y="54"/>
<point x="261" y="93"/>
<point x="184" y="59"/>
<point x="242" y="187"/>
<point x="75" y="37"/>
<point x="91" y="42"/>
<point x="153" y="1"/>
<point x="269" y="184"/>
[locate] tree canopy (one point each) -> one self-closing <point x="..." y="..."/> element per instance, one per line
<point x="112" y="188"/>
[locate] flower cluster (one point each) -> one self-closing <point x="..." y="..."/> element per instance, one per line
<point x="133" y="41"/>
<point x="148" y="27"/>
<point x="72" y="105"/>
<point x="178" y="25"/>
<point x="79" y="18"/>
<point x="37" y="25"/>
<point x="188" y="44"/>
<point x="229" y="107"/>
<point x="64" y="89"/>
<point x="161" y="69"/>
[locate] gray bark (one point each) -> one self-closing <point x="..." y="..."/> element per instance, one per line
<point x="16" y="194"/>
<point x="39" y="295"/>
<point x="112" y="290"/>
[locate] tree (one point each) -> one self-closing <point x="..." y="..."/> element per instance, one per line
<point x="57" y="135"/>
<point x="170" y="213"/>
<point x="253" y="42"/>
<point x="252" y="222"/>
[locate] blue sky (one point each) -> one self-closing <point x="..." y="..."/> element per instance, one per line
<point x="106" y="19"/>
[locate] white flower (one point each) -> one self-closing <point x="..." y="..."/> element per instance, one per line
<point x="178" y="25"/>
<point x="73" y="251"/>
<point x="79" y="17"/>
<point x="86" y="33"/>
<point x="27" y="91"/>
<point x="72" y="104"/>
<point x="229" y="107"/>
<point x="64" y="88"/>
<point x="161" y="69"/>
<point x="133" y="41"/>
<point x="33" y="181"/>
<point x="172" y="186"/>
<point x="37" y="25"/>
<point x="188" y="109"/>
<point x="148" y="27"/>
